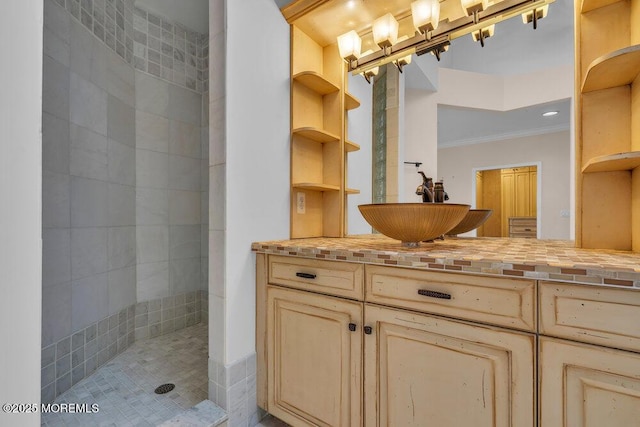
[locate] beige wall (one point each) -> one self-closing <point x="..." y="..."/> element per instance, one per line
<point x="551" y="152"/>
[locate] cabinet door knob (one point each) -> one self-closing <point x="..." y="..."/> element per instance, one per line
<point x="434" y="294"/>
<point x="368" y="330"/>
<point x="352" y="327"/>
<point x="306" y="275"/>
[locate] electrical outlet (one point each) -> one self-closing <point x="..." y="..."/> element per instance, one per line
<point x="565" y="213"/>
<point x="301" y="203"/>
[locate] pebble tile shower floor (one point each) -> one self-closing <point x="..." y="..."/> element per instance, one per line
<point x="124" y="387"/>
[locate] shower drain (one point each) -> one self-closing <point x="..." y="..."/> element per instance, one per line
<point x="165" y="388"/>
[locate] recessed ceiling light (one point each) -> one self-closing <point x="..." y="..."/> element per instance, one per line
<point x="351" y="4"/>
<point x="550" y="113"/>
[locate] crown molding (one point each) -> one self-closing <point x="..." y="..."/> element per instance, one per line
<point x="504" y="136"/>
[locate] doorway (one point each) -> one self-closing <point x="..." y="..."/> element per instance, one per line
<point x="512" y="194"/>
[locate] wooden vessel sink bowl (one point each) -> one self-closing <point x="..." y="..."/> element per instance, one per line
<point x="412" y="223"/>
<point x="474" y="219"/>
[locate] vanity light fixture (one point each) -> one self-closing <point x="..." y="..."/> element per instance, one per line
<point x="405" y="60"/>
<point x="349" y="45"/>
<point x="433" y="34"/>
<point x="371" y="72"/>
<point x="534" y="15"/>
<point x="425" y="14"/>
<point x="549" y="113"/>
<point x="385" y="31"/>
<point x="483" y="33"/>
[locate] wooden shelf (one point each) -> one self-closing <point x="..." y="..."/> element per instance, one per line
<point x="350" y="101"/>
<point x="315" y="82"/>
<point x="589" y="5"/>
<point x="315" y="134"/>
<point x="615" y="69"/>
<point x="315" y="186"/>
<point x="352" y="191"/>
<point x="613" y="162"/>
<point x="351" y="146"/>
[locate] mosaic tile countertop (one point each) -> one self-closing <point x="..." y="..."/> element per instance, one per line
<point x="538" y="259"/>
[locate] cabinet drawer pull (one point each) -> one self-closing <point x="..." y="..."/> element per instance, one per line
<point x="352" y="327"/>
<point x="527" y="229"/>
<point x="306" y="275"/>
<point x="434" y="294"/>
<point x="368" y="330"/>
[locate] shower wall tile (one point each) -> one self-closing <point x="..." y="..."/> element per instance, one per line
<point x="184" y="105"/>
<point x="88" y="296"/>
<point x="56" y="312"/>
<point x="152" y="243"/>
<point x="87" y="104"/>
<point x="152" y="94"/>
<point x="56" y="263"/>
<point x="55" y="200"/>
<point x="152" y="206"/>
<point x="57" y="20"/>
<point x="121" y="247"/>
<point x="89" y="153"/>
<point x="81" y="52"/>
<point x="185" y="241"/>
<point x="55" y="144"/>
<point x="152" y="281"/>
<point x="89" y="202"/>
<point x="152" y="132"/>
<point x="88" y="251"/>
<point x="184" y="139"/>
<point x="122" y="288"/>
<point x="184" y="207"/>
<point x="152" y="169"/>
<point x="55" y="88"/>
<point x="121" y="79"/>
<point x="121" y="120"/>
<point x="55" y="47"/>
<point x="184" y="174"/>
<point x="184" y="275"/>
<point x="122" y="163"/>
<point x="122" y="205"/>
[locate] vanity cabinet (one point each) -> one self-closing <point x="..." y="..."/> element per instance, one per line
<point x="592" y="382"/>
<point x="424" y="370"/>
<point x="314" y="348"/>
<point x="331" y="355"/>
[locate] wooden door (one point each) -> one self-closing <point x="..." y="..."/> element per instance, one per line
<point x="507" y="199"/>
<point x="522" y="192"/>
<point x="533" y="191"/>
<point x="588" y="386"/>
<point x="314" y="359"/>
<point x="428" y="371"/>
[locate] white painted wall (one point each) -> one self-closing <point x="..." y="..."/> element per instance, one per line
<point x="257" y="144"/>
<point x="551" y="151"/>
<point x="420" y="133"/>
<point x="359" y="163"/>
<point x="474" y="90"/>
<point x="20" y="216"/>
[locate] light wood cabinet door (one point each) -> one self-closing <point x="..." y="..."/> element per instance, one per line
<point x="522" y="193"/>
<point x="508" y="200"/>
<point x="587" y="386"/>
<point x="428" y="371"/>
<point x="314" y="359"/>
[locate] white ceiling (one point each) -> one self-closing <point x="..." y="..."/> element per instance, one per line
<point x="460" y="126"/>
<point x="193" y="14"/>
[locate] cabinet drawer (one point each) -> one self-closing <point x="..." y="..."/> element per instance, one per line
<point x="593" y="314"/>
<point x="329" y="277"/>
<point x="495" y="300"/>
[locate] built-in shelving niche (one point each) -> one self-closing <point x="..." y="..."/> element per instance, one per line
<point x="609" y="122"/>
<point x="319" y="102"/>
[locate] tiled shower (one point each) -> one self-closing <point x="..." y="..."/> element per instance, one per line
<point x="125" y="183"/>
